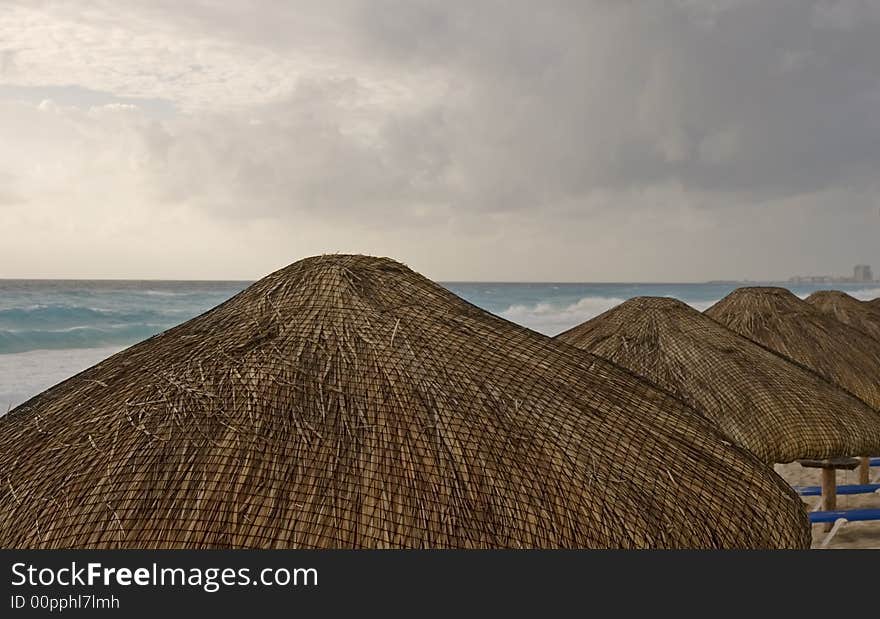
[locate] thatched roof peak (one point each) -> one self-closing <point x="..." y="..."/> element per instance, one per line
<point x="762" y="290"/>
<point x="752" y="301"/>
<point x="332" y="267"/>
<point x="341" y="280"/>
<point x="348" y="402"/>
<point x="848" y="310"/>
<point x="762" y="294"/>
<point x="829" y="295"/>
<point x="648" y="302"/>
<point x="645" y="309"/>
<point x="762" y="401"/>
<point x="802" y="332"/>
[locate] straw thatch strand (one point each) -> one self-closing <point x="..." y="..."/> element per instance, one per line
<point x="348" y="402"/>
<point x="857" y="314"/>
<point x="777" y="319"/>
<point x="777" y="409"/>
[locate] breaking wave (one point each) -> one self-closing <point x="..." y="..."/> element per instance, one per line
<point x="22" y="340"/>
<point x="61" y="316"/>
<point x="866" y="294"/>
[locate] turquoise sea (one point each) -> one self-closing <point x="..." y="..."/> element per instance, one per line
<point x="51" y="329"/>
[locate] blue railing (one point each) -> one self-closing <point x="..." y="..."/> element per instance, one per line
<point x="847" y="489"/>
<point x="850" y="515"/>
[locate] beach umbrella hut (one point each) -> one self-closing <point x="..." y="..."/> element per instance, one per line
<point x="777" y="409"/>
<point x="348" y="402"/>
<point x="777" y="319"/>
<point x="857" y="314"/>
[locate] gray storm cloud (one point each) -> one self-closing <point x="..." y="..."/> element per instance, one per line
<point x="487" y="140"/>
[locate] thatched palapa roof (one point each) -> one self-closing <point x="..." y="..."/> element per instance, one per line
<point x="348" y="402"/>
<point x="857" y="314"/>
<point x="777" y="319"/>
<point x="773" y="407"/>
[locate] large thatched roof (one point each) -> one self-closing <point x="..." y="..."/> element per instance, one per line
<point x="777" y="409"/>
<point x="346" y="401"/>
<point x="784" y="323"/>
<point x="857" y="314"/>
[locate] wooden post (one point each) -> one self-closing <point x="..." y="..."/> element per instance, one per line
<point x="864" y="470"/>
<point x="829" y="468"/>
<point x="829" y="493"/>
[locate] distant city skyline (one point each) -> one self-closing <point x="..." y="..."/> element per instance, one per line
<point x="862" y="274"/>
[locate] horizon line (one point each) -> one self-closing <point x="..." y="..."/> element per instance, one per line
<point x="445" y="281"/>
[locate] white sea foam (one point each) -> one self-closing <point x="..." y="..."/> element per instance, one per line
<point x="550" y="318"/>
<point x="23" y="375"/>
<point x="866" y="294"/>
<point x="162" y="293"/>
<point x="702" y="306"/>
<point x="863" y="294"/>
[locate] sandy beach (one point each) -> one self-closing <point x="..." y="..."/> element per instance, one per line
<point x="864" y="535"/>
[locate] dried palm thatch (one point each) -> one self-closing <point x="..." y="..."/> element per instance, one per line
<point x="778" y="410"/>
<point x="857" y="314"/>
<point x="874" y="303"/>
<point x="782" y="322"/>
<point x="347" y="402"/>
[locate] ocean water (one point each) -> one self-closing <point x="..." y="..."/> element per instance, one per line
<point x="52" y="329"/>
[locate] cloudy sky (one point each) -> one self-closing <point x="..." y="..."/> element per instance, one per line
<point x="590" y="141"/>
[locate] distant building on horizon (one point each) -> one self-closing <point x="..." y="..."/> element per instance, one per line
<point x="862" y="273"/>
